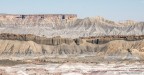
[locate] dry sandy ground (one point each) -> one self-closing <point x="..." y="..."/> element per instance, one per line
<point x="73" y="69"/>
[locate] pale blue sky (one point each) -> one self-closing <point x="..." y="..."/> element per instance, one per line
<point x="111" y="9"/>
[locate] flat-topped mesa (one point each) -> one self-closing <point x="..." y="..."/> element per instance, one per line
<point x="35" y="19"/>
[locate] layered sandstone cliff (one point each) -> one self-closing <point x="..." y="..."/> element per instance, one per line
<point x="99" y="48"/>
<point x="114" y="50"/>
<point x="67" y="26"/>
<point x="37" y="19"/>
<point x="67" y="35"/>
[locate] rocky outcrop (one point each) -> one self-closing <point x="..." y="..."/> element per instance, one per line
<point x="40" y="40"/>
<point x="78" y="41"/>
<point x="58" y="40"/>
<point x="35" y="19"/>
<point x="106" y="39"/>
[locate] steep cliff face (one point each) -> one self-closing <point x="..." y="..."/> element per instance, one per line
<point x="59" y="40"/>
<point x="37" y="19"/>
<point x="106" y="39"/>
<point x="40" y="40"/>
